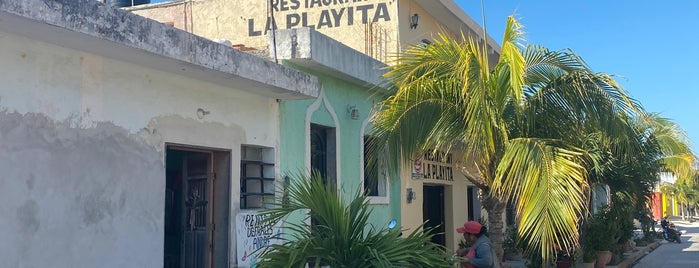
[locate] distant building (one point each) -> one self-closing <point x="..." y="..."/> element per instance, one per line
<point x="664" y="204"/>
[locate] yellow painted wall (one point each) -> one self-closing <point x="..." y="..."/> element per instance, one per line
<point x="455" y="204"/>
<point x="378" y="28"/>
<point x="663" y="205"/>
<point x="427" y="28"/>
<point x="675" y="207"/>
<point x="670" y="206"/>
<point x="368" y="26"/>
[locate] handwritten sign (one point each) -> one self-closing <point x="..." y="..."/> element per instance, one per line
<point x="333" y="13"/>
<point x="254" y="237"/>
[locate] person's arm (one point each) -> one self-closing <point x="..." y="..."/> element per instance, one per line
<point x="461" y="252"/>
<point x="484" y="256"/>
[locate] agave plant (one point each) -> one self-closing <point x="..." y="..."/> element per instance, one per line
<point x="333" y="233"/>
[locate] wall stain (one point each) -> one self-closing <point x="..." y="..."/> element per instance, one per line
<point x="30" y="182"/>
<point x="96" y="207"/>
<point x="94" y="178"/>
<point x="27" y="215"/>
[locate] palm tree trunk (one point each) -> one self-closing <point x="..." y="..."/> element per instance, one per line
<point x="682" y="211"/>
<point x="495" y="209"/>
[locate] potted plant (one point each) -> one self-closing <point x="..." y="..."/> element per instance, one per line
<point x="598" y="239"/>
<point x="589" y="257"/>
<point x="590" y="243"/>
<point x="512" y="251"/>
<point x="622" y="219"/>
<point x="564" y="259"/>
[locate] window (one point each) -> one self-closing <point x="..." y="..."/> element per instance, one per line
<point x="474" y="204"/>
<point x="375" y="179"/>
<point x="256" y="177"/>
<point x="510" y="213"/>
<point x="323" y="154"/>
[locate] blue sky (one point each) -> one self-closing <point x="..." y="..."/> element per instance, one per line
<point x="651" y="46"/>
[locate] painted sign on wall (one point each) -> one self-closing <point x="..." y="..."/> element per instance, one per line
<point x="319" y="14"/>
<point x="253" y="237"/>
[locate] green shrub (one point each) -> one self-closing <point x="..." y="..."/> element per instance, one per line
<point x="340" y="234"/>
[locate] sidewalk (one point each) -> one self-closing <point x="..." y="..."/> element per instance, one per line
<point x="632" y="257"/>
<point x="629" y="258"/>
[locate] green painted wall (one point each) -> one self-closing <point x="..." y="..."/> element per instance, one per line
<point x="331" y="111"/>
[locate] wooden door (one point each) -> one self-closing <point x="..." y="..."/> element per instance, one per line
<point x="198" y="199"/>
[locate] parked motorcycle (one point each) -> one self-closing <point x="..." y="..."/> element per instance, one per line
<point x="670" y="232"/>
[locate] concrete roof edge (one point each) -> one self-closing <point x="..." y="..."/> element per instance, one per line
<point x="315" y="50"/>
<point x="155" y="5"/>
<point x="103" y="24"/>
<point x="451" y="7"/>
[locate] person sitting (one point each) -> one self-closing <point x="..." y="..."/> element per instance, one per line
<point x="664" y="223"/>
<point x="480" y="255"/>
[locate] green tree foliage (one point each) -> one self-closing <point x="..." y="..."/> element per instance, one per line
<point x="526" y="124"/>
<point x="339" y="234"/>
<point x="660" y="145"/>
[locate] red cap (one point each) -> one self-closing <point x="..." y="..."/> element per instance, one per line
<point x="471" y="227"/>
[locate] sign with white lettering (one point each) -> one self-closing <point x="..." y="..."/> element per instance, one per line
<point x="253" y="237"/>
<point x="319" y="14"/>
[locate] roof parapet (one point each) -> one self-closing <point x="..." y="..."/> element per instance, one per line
<point x="111" y="32"/>
<point x="314" y="50"/>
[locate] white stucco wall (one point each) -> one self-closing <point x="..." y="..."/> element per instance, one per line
<point x="63" y="83"/>
<point x="82" y="141"/>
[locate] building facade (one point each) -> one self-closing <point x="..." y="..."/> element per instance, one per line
<point x="328" y="134"/>
<point x="664" y="204"/>
<point x="123" y="141"/>
<point x="379" y="29"/>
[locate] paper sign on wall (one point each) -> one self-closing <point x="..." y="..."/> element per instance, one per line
<point x="253" y="237"/>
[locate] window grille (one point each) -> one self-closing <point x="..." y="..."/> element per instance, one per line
<point x="257" y="177"/>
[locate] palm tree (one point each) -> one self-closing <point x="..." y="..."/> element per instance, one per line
<point x="340" y="235"/>
<point x="520" y="125"/>
<point x="675" y="156"/>
<point x="685" y="195"/>
<point x="675" y="149"/>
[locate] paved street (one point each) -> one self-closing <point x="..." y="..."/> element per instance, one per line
<point x="675" y="255"/>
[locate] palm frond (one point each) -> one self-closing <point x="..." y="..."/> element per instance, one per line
<point x="549" y="185"/>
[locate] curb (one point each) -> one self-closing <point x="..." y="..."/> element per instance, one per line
<point x="627" y="262"/>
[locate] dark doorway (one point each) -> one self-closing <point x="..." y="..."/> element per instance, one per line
<point x="433" y="211"/>
<point x="195" y="202"/>
<point x="323" y="154"/>
<point x="474" y="204"/>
